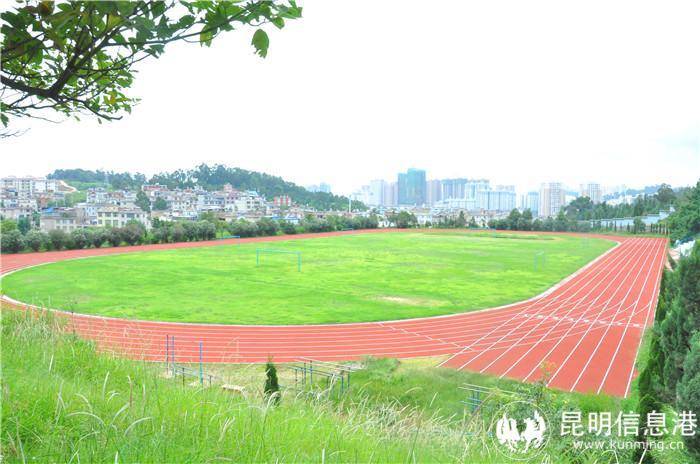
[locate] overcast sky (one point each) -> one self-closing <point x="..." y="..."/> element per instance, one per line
<point x="517" y="92"/>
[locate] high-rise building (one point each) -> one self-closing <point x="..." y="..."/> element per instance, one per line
<point x="531" y="201"/>
<point x="376" y="192"/>
<point x="411" y="186"/>
<point x="473" y="186"/>
<point x="592" y="191"/>
<point x="391" y="193"/>
<point x="453" y="188"/>
<point x="552" y="197"/>
<point x="433" y="191"/>
<point x="496" y="200"/>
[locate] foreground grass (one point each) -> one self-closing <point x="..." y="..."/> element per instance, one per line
<point x="364" y="277"/>
<point x="63" y="402"/>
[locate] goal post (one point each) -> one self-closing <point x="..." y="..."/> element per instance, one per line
<point x="539" y="260"/>
<point x="262" y="251"/>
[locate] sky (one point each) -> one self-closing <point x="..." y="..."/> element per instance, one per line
<point x="515" y="92"/>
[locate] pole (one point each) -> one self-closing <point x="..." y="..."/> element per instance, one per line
<point x="201" y="373"/>
<point x="173" y="354"/>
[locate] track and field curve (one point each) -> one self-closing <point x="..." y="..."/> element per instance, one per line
<point x="583" y="334"/>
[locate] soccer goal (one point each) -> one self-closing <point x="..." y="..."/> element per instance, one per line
<point x="263" y="251"/>
<point x="539" y="260"/>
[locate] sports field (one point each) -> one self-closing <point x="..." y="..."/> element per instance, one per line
<point x="350" y="278"/>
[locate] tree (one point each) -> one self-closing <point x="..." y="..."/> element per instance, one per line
<point x="133" y="232"/>
<point x="160" y="204"/>
<point x="35" y="240"/>
<point x="142" y="201"/>
<point x="12" y="241"/>
<point x="665" y="194"/>
<point x="404" y="220"/>
<point x="206" y="230"/>
<point x="7" y="225"/>
<point x="98" y="237"/>
<point x="80" y="238"/>
<point x="58" y="239"/>
<point x="178" y="233"/>
<point x="689" y="388"/>
<point x="272" y="387"/>
<point x="24" y="224"/>
<point x="115" y="236"/>
<point x="513" y="219"/>
<point x="77" y="57"/>
<point x="686" y="220"/>
<point x="638" y="226"/>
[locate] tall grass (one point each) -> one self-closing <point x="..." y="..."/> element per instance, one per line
<point x="64" y="402"/>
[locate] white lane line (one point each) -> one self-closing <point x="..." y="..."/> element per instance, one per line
<point x="605" y="333"/>
<point x="578" y="289"/>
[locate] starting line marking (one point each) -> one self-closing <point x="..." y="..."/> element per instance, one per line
<point x="587" y="321"/>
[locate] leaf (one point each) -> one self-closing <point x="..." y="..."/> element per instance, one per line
<point x="261" y="42"/>
<point x="278" y="21"/>
<point x="205" y="37"/>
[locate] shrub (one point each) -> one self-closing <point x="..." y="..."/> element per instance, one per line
<point x="12" y="241"/>
<point x="98" y="237"/>
<point x="58" y="239"/>
<point x="80" y="238"/>
<point x="272" y="386"/>
<point x="35" y="240"/>
<point x="115" y="236"/>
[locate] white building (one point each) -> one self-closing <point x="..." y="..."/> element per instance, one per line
<point x="29" y="186"/>
<point x="592" y="191"/>
<point x="552" y="198"/>
<point x="496" y="200"/>
<point x="119" y="216"/>
<point x="531" y="201"/>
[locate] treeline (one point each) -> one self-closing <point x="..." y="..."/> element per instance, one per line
<point x="525" y="221"/>
<point x="134" y="233"/>
<point x="684" y="223"/>
<point x="583" y="209"/>
<point x="310" y="224"/>
<point x="672" y="373"/>
<point x="213" y="178"/>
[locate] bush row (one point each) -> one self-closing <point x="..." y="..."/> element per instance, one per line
<point x="134" y="233"/>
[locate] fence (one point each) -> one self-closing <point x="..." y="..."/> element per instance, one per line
<point x="182" y="370"/>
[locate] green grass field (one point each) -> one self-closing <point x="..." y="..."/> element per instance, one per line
<point x="364" y="277"/>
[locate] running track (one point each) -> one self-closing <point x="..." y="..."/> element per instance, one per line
<point x="586" y="330"/>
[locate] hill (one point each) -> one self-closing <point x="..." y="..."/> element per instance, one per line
<point x="209" y="178"/>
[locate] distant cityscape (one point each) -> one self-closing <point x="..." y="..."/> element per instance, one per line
<point x="51" y="203"/>
<point x="413" y="189"/>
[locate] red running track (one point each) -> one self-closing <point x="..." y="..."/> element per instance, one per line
<point x="585" y="332"/>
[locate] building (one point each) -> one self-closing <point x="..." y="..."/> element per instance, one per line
<point x="552" y="199"/>
<point x="433" y="192"/>
<point x="391" y="194"/>
<point x="29" y="186"/>
<point x="496" y="200"/>
<point x="531" y="201"/>
<point x="322" y="187"/>
<point x="453" y="188"/>
<point x="282" y="201"/>
<point x="411" y="185"/>
<point x="376" y="192"/>
<point x="592" y="191"/>
<point x="65" y="219"/>
<point x="119" y="216"/>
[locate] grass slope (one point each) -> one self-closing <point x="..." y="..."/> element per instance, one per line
<point x="63" y="402"/>
<point x="364" y="277"/>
